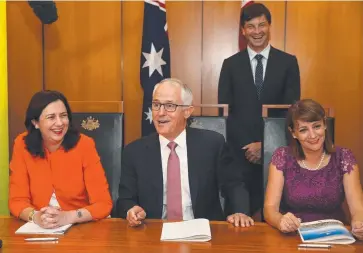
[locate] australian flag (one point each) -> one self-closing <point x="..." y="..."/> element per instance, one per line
<point x="155" y="56"/>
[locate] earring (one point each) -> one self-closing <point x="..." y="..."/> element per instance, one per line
<point x="36" y="127"/>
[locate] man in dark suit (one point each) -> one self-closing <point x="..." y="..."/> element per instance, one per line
<point x="255" y="76"/>
<point x="177" y="173"/>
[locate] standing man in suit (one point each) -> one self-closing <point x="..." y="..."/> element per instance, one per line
<point x="260" y="74"/>
<point x="177" y="173"/>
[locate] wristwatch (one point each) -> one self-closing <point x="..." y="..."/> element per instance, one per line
<point x="79" y="213"/>
<point x="31" y="215"/>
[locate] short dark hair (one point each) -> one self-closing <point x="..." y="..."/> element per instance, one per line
<point x="252" y="11"/>
<point x="306" y="110"/>
<point x="33" y="139"/>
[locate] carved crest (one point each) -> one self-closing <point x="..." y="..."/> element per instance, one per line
<point x="196" y="124"/>
<point x="90" y="123"/>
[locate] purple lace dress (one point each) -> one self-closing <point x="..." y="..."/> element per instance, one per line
<point x="313" y="194"/>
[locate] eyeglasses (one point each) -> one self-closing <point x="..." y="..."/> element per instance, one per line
<point x="169" y="107"/>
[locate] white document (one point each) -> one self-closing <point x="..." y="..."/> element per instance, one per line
<point x="197" y="230"/>
<point x="32" y="228"/>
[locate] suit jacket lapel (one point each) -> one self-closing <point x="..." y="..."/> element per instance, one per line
<point x="153" y="163"/>
<point x="193" y="149"/>
<point x="246" y="74"/>
<point x="246" y="64"/>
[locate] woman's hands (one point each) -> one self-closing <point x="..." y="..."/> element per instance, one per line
<point x="289" y="223"/>
<point x="52" y="217"/>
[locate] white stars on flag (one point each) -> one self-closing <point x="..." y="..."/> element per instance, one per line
<point x="154" y="60"/>
<point x="149" y="116"/>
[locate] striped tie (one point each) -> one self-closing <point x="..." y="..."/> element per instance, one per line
<point x="259" y="75"/>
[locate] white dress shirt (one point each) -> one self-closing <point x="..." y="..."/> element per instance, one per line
<point x="253" y="60"/>
<point x="53" y="200"/>
<point x="181" y="151"/>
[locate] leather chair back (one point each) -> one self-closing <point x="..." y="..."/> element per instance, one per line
<point x="214" y="123"/>
<point x="107" y="131"/>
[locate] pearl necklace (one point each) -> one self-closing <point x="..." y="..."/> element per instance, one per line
<point x="321" y="161"/>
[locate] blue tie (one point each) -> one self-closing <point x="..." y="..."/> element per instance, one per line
<point x="259" y="75"/>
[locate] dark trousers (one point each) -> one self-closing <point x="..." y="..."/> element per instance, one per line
<point x="253" y="174"/>
<point x="255" y="188"/>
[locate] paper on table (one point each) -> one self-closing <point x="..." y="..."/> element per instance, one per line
<point x="32" y="228"/>
<point x="197" y="230"/>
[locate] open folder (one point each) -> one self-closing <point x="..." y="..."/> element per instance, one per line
<point x="325" y="231"/>
<point x="197" y="230"/>
<point x="32" y="228"/>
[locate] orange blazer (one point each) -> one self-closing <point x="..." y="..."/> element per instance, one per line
<point x="77" y="178"/>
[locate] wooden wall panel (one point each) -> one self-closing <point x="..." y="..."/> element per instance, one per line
<point x="220" y="40"/>
<point x="24" y="37"/>
<point x="278" y="10"/>
<point x="327" y="38"/>
<point x="185" y="36"/>
<point x="83" y="51"/>
<point x="132" y="20"/>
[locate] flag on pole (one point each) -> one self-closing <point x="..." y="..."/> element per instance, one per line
<point x="241" y="39"/>
<point x="4" y="134"/>
<point x="155" y="56"/>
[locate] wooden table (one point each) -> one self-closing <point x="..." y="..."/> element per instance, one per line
<point x="114" y="235"/>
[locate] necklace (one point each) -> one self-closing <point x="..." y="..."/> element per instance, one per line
<point x="321" y="161"/>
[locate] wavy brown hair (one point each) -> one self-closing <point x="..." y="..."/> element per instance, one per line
<point x="306" y="110"/>
<point x="33" y="140"/>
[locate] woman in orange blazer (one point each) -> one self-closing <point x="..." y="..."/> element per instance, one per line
<point x="56" y="176"/>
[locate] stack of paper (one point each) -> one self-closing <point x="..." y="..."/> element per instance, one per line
<point x="32" y="228"/>
<point x="197" y="230"/>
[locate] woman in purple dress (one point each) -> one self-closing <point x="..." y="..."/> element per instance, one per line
<point x="309" y="179"/>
